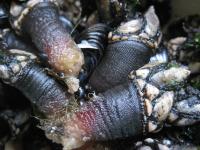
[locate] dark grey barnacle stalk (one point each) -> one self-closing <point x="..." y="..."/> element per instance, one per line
<point x="19" y="70"/>
<point x="130" y="47"/>
<point x="156" y="94"/>
<point x="39" y="19"/>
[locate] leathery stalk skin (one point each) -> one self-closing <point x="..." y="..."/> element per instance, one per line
<point x="17" y="68"/>
<point x="155" y="95"/>
<point x="40" y="20"/>
<point x="130" y="47"/>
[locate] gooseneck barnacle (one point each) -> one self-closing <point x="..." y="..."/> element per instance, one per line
<point x="141" y="105"/>
<point x="18" y="69"/>
<point x="130" y="47"/>
<point x="40" y="20"/>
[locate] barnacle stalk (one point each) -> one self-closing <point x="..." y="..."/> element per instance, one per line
<point x="17" y="69"/>
<point x="40" y="20"/>
<point x="130" y="47"/>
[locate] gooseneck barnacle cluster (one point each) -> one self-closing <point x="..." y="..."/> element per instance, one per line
<point x="144" y="105"/>
<point x="137" y="94"/>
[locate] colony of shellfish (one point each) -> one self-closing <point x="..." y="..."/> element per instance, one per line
<point x="98" y="75"/>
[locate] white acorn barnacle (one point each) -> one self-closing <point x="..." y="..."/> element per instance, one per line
<point x="144" y="147"/>
<point x="15" y="68"/>
<point x="163" y="147"/>
<point x="163" y="105"/>
<point x="23" y="64"/>
<point x="124" y="38"/>
<point x="131" y="26"/>
<point x="115" y="37"/>
<point x="174" y="44"/>
<point x="171" y="75"/>
<point x="110" y="34"/>
<point x="22" y="54"/>
<point x="142" y="73"/>
<point x="141" y="83"/>
<point x="152" y="126"/>
<point x="186" y="107"/>
<point x="15" y="9"/>
<point x="172" y="117"/>
<point x="152" y="21"/>
<point x="151" y="91"/>
<point x="4" y="72"/>
<point x="21" y="58"/>
<point x="151" y="65"/>
<point x="148" y="107"/>
<point x="149" y="140"/>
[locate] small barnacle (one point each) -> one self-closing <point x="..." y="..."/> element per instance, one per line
<point x="173" y="74"/>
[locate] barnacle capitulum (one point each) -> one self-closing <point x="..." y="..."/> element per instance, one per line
<point x="166" y="96"/>
<point x="40" y="20"/>
<point x="130" y="47"/>
<point x="161" y="56"/>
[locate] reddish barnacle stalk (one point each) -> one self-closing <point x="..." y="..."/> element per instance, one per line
<point x="40" y="20"/>
<point x="155" y="95"/>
